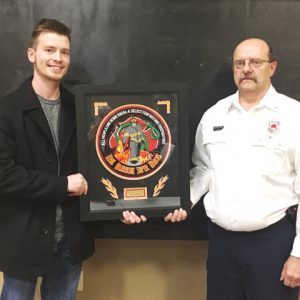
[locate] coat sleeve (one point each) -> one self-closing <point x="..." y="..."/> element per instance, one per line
<point x="18" y="183"/>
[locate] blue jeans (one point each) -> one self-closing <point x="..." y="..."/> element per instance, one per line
<point x="60" y="284"/>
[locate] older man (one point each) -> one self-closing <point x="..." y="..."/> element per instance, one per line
<point x="247" y="160"/>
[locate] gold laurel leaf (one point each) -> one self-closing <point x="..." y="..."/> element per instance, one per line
<point x="110" y="188"/>
<point x="160" y="185"/>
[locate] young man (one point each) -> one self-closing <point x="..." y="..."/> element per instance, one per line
<point x="247" y="159"/>
<point x="40" y="231"/>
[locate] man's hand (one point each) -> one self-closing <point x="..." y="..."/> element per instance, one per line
<point x="77" y="185"/>
<point x="177" y="216"/>
<point x="130" y="217"/>
<point x="290" y="274"/>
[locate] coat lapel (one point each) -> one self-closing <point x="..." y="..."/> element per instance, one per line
<point x="68" y="120"/>
<point x="40" y="119"/>
<point x="32" y="106"/>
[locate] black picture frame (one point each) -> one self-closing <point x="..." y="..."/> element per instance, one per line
<point x="133" y="149"/>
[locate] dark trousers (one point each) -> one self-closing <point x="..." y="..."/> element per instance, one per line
<point x="247" y="265"/>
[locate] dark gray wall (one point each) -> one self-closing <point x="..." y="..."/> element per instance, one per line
<point x="133" y="41"/>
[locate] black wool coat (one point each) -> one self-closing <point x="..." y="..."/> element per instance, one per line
<point x="30" y="188"/>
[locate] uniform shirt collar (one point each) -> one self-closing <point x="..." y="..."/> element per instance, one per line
<point x="269" y="100"/>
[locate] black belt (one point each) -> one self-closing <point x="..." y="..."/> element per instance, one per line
<point x="290" y="217"/>
<point x="291" y="213"/>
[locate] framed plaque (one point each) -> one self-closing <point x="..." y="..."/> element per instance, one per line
<point x="133" y="149"/>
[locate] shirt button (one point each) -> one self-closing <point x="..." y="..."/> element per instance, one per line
<point x="49" y="158"/>
<point x="45" y="231"/>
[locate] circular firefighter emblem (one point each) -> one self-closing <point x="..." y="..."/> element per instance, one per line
<point x="274" y="126"/>
<point x="133" y="141"/>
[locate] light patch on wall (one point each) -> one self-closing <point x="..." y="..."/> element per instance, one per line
<point x="1" y="281"/>
<point x="80" y="283"/>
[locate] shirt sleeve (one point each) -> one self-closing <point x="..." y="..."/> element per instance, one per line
<point x="296" y="247"/>
<point x="199" y="175"/>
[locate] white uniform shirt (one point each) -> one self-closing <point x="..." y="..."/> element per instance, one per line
<point x="248" y="162"/>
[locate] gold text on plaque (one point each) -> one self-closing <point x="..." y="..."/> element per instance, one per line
<point x="135" y="193"/>
<point x="151" y="164"/>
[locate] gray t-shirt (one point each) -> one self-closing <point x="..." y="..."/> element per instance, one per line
<point x="51" y="109"/>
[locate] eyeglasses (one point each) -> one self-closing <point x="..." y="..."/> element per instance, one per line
<point x="253" y="63"/>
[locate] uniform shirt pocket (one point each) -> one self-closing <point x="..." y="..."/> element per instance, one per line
<point x="270" y="156"/>
<point x="216" y="146"/>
